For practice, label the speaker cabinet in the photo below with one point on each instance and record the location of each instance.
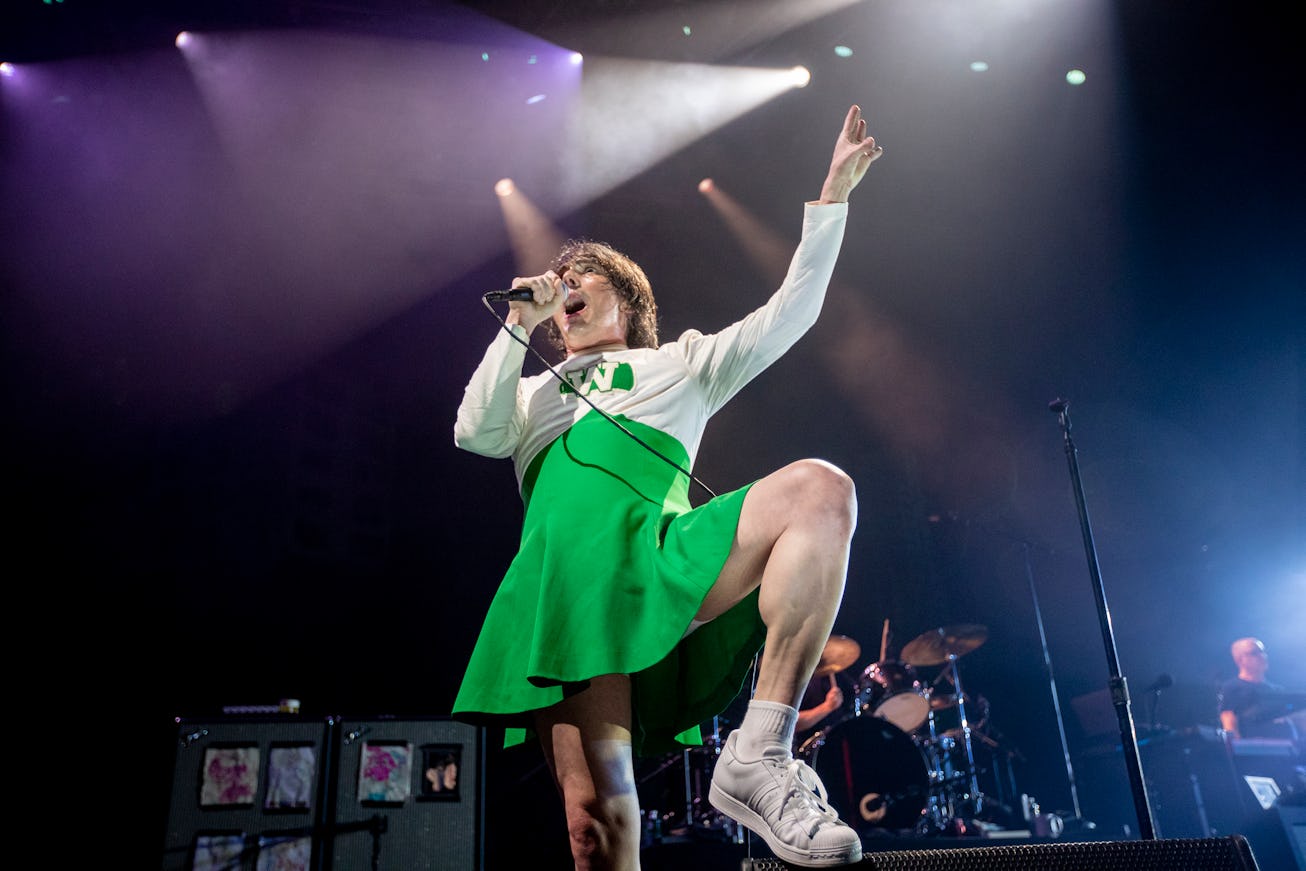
(409, 795)
(246, 792)
(282, 792)
(1194, 854)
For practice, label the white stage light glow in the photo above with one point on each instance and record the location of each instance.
(662, 107)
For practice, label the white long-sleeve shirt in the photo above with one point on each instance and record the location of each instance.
(674, 388)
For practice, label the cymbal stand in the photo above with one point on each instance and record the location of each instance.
(699, 814)
(976, 799)
(1052, 681)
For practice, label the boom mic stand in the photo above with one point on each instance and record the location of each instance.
(1118, 685)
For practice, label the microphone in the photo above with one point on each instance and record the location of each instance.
(1159, 684)
(517, 294)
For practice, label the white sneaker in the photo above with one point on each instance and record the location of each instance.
(782, 799)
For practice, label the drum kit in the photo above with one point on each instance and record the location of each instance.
(902, 756)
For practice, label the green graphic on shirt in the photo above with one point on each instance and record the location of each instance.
(601, 377)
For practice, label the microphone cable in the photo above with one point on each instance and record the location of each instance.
(618, 424)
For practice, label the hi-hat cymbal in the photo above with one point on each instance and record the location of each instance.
(839, 653)
(939, 645)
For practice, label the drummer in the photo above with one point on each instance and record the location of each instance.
(823, 699)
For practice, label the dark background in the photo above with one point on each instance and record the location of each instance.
(231, 396)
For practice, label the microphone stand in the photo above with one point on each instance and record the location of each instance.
(1118, 685)
(1056, 702)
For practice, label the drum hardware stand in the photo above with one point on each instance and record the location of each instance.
(699, 814)
(976, 798)
(1052, 684)
(1118, 685)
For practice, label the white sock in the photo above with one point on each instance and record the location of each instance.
(768, 729)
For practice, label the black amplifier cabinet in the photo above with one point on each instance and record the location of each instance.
(409, 795)
(279, 791)
(247, 792)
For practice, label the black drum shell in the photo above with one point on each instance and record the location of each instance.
(875, 775)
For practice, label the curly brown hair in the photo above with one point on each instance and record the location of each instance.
(627, 279)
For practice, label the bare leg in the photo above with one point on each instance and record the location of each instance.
(794, 532)
(586, 741)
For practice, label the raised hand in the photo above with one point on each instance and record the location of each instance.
(854, 152)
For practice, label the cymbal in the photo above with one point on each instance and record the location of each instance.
(939, 645)
(839, 653)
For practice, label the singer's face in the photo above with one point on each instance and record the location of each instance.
(592, 316)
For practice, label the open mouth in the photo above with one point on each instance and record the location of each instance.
(573, 305)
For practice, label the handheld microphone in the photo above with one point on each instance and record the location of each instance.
(517, 294)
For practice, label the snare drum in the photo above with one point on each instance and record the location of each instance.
(889, 690)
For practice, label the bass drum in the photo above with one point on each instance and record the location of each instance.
(874, 774)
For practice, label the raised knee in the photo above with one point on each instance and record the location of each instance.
(829, 487)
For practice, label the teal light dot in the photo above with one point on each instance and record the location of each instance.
(685, 30)
(532, 59)
(843, 51)
(485, 55)
(1076, 77)
(979, 66)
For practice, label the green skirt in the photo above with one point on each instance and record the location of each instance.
(613, 565)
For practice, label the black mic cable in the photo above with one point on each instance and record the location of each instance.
(502, 295)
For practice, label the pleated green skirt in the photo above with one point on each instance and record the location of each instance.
(613, 565)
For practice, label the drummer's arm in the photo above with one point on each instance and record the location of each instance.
(1228, 722)
(810, 717)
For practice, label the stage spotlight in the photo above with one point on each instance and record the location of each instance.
(800, 76)
(6, 69)
(706, 185)
(1076, 77)
(577, 58)
(531, 101)
(183, 39)
(504, 187)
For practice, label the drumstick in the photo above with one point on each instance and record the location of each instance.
(884, 640)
